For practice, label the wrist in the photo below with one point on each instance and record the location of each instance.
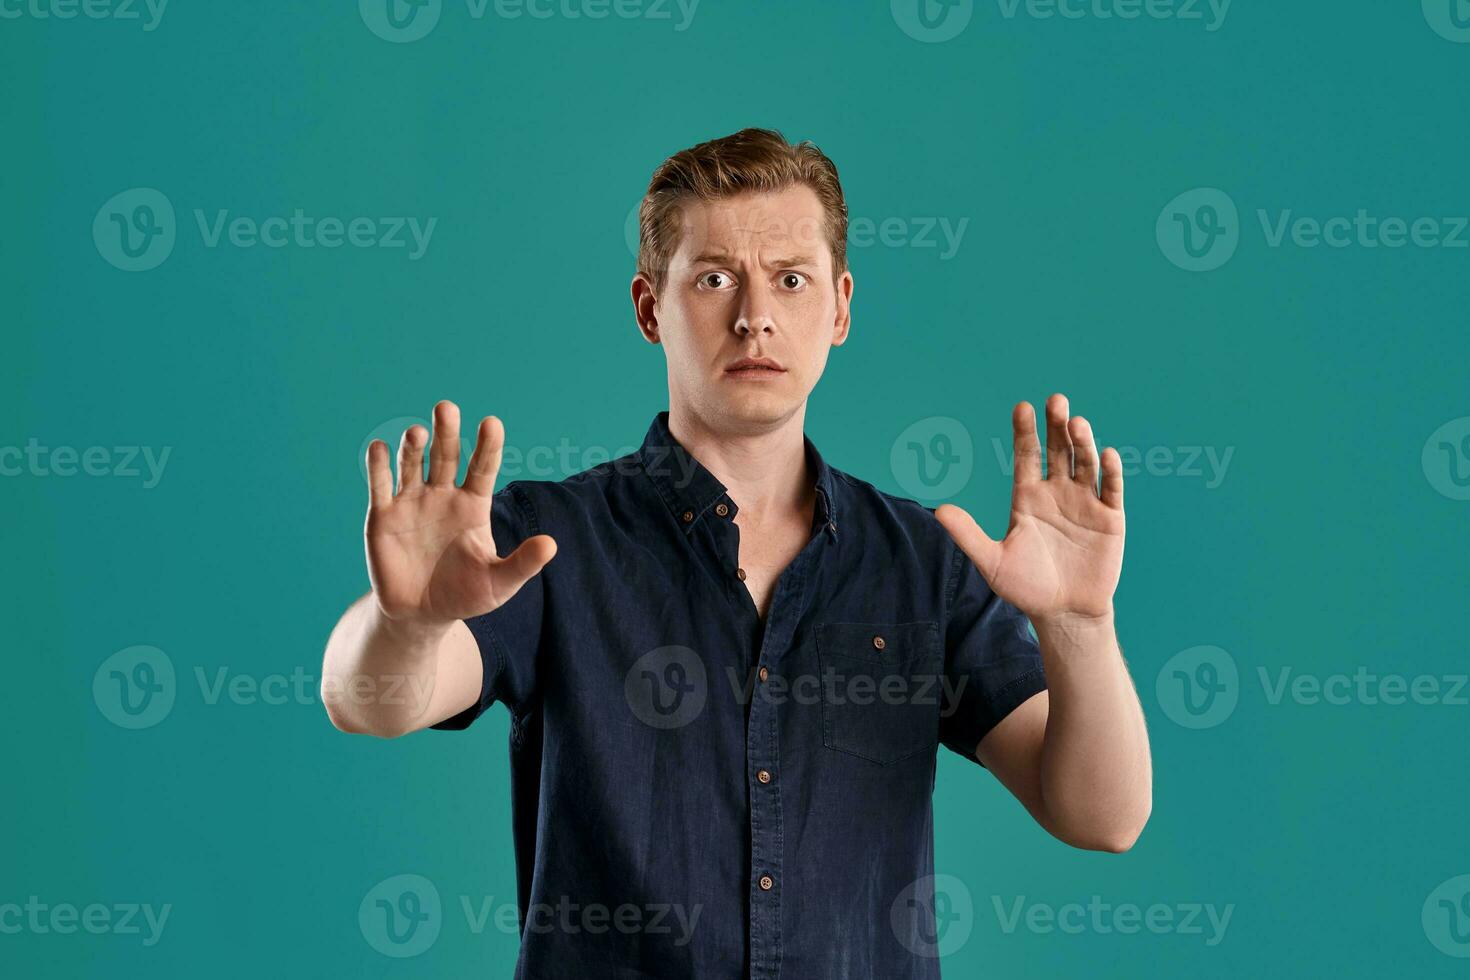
(409, 630)
(1075, 626)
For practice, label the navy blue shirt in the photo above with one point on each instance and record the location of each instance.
(698, 792)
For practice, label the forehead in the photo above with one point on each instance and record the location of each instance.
(791, 220)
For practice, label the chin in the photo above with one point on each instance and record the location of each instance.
(758, 409)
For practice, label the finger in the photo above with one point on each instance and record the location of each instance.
(1112, 478)
(411, 457)
(1084, 452)
(485, 460)
(1028, 450)
(1058, 443)
(973, 541)
(380, 474)
(444, 451)
(520, 566)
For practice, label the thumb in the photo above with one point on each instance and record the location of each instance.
(523, 564)
(972, 540)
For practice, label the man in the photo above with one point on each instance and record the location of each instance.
(728, 689)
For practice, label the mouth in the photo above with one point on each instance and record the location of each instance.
(754, 368)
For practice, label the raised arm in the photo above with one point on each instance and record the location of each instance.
(1076, 755)
(401, 658)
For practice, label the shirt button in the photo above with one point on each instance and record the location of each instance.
(722, 510)
(764, 673)
(879, 643)
(740, 574)
(763, 776)
(767, 883)
(688, 516)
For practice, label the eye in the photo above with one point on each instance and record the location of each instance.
(716, 280)
(793, 280)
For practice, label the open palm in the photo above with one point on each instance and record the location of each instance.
(1063, 552)
(430, 553)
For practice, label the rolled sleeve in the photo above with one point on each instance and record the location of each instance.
(991, 657)
(510, 636)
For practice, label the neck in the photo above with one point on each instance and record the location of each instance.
(765, 469)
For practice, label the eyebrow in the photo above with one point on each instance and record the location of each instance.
(723, 259)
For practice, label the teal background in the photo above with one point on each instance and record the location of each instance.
(1326, 547)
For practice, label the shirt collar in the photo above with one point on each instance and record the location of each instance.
(690, 490)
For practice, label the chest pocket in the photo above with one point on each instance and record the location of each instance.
(880, 687)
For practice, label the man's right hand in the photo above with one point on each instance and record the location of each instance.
(430, 554)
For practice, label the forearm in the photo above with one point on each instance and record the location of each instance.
(379, 676)
(1096, 775)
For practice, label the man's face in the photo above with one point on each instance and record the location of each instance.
(751, 280)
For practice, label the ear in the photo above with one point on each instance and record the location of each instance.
(645, 306)
(843, 321)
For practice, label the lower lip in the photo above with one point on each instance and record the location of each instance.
(755, 374)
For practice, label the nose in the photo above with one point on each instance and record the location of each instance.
(754, 315)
